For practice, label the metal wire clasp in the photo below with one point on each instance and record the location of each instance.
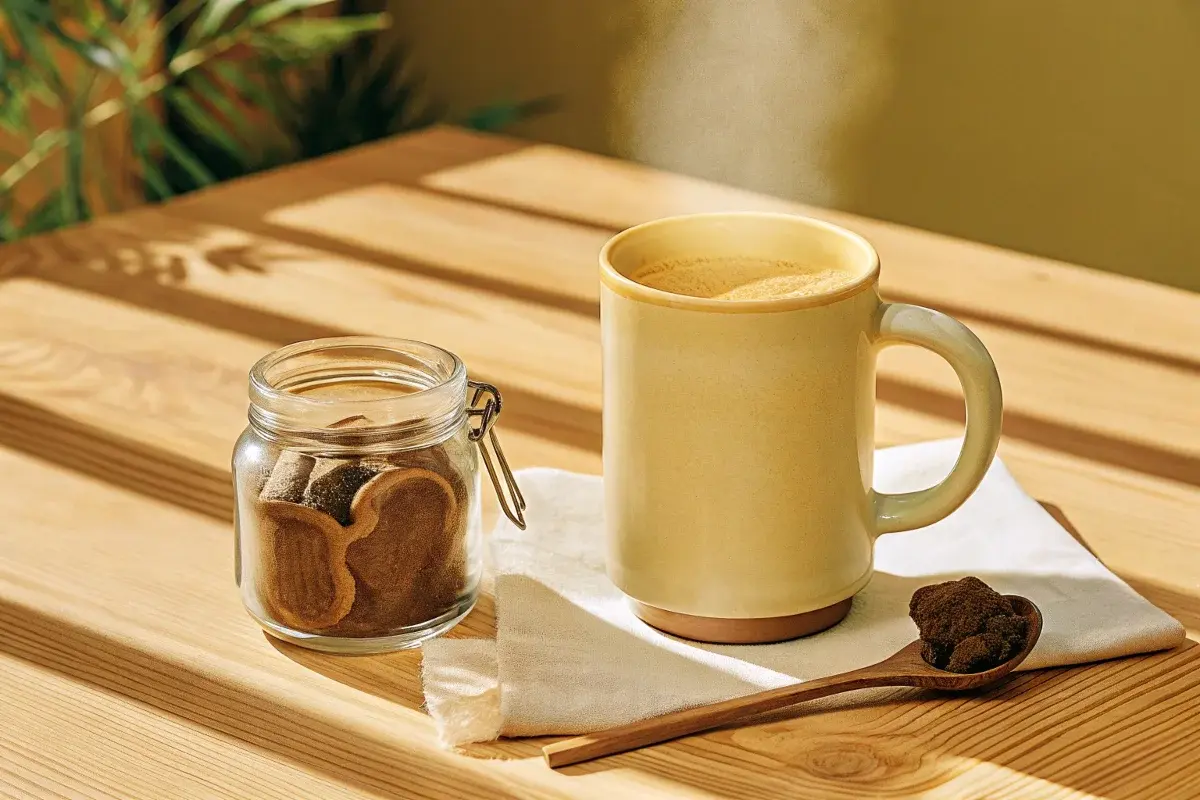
(486, 416)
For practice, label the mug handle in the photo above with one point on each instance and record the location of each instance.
(900, 323)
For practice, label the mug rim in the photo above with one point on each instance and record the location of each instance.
(632, 290)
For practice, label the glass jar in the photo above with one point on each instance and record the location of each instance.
(357, 493)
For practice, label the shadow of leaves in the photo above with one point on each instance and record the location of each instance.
(169, 254)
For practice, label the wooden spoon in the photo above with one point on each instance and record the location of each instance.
(905, 668)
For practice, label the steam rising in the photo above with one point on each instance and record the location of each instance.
(758, 94)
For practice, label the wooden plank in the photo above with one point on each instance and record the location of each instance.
(268, 288)
(146, 419)
(128, 751)
(139, 601)
(1051, 296)
(144, 400)
(308, 283)
(1070, 398)
(164, 629)
(496, 248)
(1099, 392)
(97, 572)
(123, 349)
(1086, 401)
(1094, 385)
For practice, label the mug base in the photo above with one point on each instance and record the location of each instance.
(760, 630)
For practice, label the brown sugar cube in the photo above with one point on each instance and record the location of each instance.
(966, 626)
(1008, 626)
(1013, 629)
(947, 613)
(978, 653)
(935, 654)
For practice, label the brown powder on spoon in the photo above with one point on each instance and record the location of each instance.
(966, 625)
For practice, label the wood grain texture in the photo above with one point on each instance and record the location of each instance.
(976, 279)
(126, 750)
(905, 667)
(123, 351)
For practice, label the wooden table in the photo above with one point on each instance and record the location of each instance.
(128, 668)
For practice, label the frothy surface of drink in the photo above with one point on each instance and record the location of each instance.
(741, 278)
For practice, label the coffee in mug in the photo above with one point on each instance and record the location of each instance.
(741, 277)
(739, 407)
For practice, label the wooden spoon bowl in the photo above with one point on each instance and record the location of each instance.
(921, 673)
(904, 668)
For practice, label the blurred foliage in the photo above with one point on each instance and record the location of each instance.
(89, 63)
(208, 90)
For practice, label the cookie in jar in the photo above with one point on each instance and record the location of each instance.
(357, 483)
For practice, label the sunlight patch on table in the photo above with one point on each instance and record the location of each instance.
(456, 237)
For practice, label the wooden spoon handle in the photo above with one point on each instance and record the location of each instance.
(704, 718)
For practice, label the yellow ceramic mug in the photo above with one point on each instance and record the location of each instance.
(739, 434)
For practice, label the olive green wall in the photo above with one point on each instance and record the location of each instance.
(1068, 128)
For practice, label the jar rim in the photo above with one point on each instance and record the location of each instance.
(434, 379)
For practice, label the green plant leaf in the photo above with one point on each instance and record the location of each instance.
(277, 9)
(155, 179)
(114, 10)
(204, 122)
(94, 167)
(19, 76)
(304, 39)
(285, 107)
(8, 223)
(498, 116)
(26, 18)
(42, 91)
(139, 145)
(215, 97)
(303, 103)
(36, 11)
(47, 215)
(236, 77)
(179, 11)
(14, 112)
(43, 143)
(74, 205)
(138, 13)
(95, 54)
(9, 232)
(185, 158)
(156, 133)
(211, 19)
(140, 122)
(361, 97)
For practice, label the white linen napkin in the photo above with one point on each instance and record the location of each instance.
(570, 657)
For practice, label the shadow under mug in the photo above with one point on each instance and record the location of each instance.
(739, 434)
